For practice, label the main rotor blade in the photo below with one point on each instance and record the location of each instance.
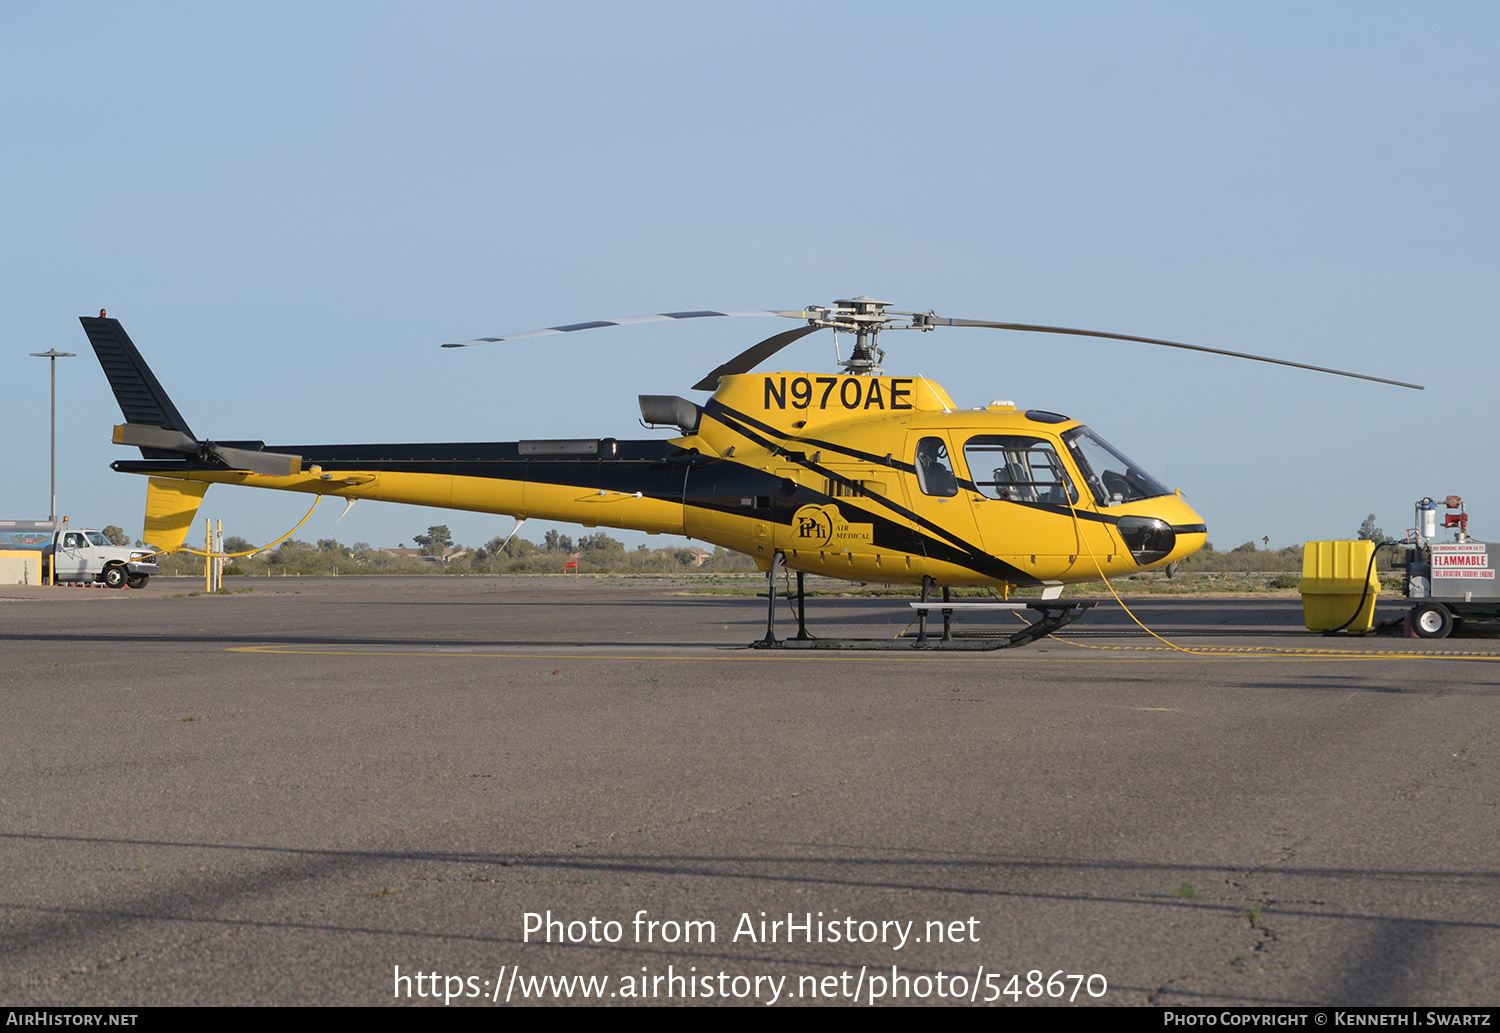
(942, 321)
(627, 321)
(753, 356)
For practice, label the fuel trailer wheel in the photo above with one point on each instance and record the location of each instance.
(1432, 620)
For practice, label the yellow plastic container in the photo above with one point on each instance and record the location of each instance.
(1334, 576)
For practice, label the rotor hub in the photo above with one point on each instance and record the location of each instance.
(865, 318)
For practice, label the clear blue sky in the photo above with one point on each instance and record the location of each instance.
(290, 206)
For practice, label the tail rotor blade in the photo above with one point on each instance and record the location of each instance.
(144, 435)
(280, 464)
(276, 464)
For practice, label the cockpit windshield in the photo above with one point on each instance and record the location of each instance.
(1112, 478)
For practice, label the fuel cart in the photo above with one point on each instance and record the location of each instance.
(1450, 581)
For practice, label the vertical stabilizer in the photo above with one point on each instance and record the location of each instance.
(136, 388)
(171, 505)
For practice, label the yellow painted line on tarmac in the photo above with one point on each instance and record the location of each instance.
(1031, 654)
(1292, 652)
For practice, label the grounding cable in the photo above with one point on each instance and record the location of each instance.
(249, 552)
(1246, 652)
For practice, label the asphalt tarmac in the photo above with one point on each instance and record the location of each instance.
(356, 791)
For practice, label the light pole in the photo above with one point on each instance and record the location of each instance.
(54, 355)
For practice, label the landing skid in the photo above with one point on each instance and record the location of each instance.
(1054, 614)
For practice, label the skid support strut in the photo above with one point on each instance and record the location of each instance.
(1052, 614)
(771, 641)
(927, 585)
(802, 635)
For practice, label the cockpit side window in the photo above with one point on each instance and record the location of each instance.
(1019, 469)
(934, 469)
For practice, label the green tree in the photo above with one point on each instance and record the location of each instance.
(599, 546)
(436, 541)
(116, 535)
(1368, 532)
(519, 548)
(234, 543)
(554, 540)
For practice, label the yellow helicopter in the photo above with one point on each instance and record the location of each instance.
(857, 475)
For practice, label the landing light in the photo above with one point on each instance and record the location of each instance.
(1147, 538)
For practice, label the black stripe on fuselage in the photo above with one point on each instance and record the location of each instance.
(954, 550)
(731, 423)
(656, 469)
(716, 409)
(719, 410)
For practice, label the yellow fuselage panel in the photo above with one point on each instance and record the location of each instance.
(476, 494)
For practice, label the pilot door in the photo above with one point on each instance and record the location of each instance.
(1021, 494)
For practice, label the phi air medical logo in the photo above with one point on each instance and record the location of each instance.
(818, 527)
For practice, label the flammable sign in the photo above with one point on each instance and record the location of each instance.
(1462, 560)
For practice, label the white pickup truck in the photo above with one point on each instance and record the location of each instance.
(86, 555)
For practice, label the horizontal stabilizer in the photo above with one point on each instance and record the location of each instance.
(254, 460)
